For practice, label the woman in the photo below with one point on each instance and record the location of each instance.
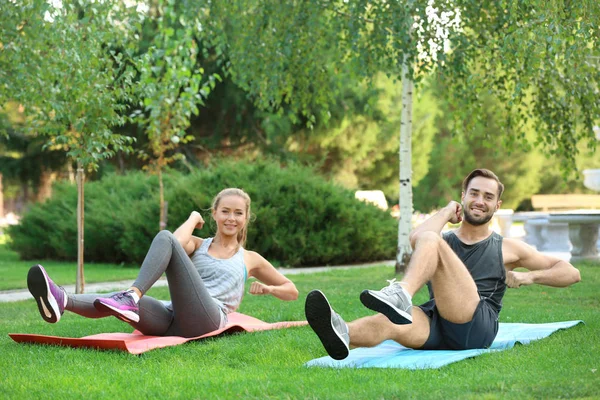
(206, 278)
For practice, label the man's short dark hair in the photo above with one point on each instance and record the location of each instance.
(486, 173)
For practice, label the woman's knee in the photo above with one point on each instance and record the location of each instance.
(164, 234)
(165, 237)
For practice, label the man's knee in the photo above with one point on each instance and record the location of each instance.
(427, 238)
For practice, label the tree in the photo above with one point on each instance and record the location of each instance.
(61, 63)
(24, 158)
(453, 157)
(489, 51)
(170, 89)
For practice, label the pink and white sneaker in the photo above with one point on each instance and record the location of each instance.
(50, 298)
(121, 305)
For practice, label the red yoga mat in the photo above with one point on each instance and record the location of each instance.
(137, 343)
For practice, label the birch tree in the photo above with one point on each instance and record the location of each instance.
(538, 58)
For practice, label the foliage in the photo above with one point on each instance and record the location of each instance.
(298, 46)
(524, 171)
(24, 159)
(68, 54)
(380, 169)
(541, 61)
(300, 219)
(453, 157)
(169, 89)
(169, 83)
(358, 147)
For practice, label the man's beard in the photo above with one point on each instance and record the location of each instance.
(484, 219)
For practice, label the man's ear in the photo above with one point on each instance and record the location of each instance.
(498, 205)
(462, 196)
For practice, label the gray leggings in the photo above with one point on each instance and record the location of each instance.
(192, 311)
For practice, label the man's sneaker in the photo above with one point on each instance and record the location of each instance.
(50, 298)
(392, 301)
(328, 325)
(121, 305)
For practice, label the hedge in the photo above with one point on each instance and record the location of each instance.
(299, 218)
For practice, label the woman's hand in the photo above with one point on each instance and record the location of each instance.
(258, 288)
(199, 221)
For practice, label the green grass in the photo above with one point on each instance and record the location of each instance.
(270, 364)
(14, 271)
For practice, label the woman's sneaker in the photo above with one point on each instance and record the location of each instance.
(50, 298)
(392, 301)
(328, 325)
(122, 305)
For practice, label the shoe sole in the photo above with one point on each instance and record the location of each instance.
(126, 316)
(393, 313)
(39, 287)
(318, 314)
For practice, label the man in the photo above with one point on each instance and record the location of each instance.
(467, 271)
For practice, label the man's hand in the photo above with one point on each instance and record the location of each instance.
(517, 279)
(455, 210)
(258, 288)
(198, 219)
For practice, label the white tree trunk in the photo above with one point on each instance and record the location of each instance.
(80, 284)
(1, 198)
(405, 196)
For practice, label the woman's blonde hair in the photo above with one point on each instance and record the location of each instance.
(241, 237)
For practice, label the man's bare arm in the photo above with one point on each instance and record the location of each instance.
(543, 269)
(450, 213)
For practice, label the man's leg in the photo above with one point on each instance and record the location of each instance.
(372, 330)
(455, 291)
(337, 336)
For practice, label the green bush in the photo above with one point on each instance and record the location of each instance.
(298, 217)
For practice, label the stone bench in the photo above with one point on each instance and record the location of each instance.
(542, 233)
(575, 231)
(559, 202)
(584, 226)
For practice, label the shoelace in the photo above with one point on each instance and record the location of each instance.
(392, 288)
(121, 295)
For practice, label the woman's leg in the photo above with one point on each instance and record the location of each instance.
(194, 311)
(155, 317)
(53, 300)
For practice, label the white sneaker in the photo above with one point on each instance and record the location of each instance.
(392, 301)
(328, 325)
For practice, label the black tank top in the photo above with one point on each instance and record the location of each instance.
(486, 265)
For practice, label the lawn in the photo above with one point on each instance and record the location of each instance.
(14, 271)
(270, 364)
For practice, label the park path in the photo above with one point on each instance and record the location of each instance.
(23, 294)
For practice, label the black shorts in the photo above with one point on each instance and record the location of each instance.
(476, 334)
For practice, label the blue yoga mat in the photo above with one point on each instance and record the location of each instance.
(390, 354)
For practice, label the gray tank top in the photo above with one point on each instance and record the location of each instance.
(486, 265)
(224, 278)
